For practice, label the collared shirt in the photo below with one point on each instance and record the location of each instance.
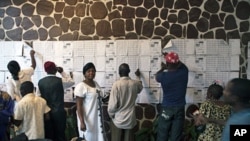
(31, 110)
(66, 80)
(121, 106)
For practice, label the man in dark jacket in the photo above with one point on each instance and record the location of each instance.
(51, 89)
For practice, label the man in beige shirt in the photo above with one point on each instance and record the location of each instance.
(30, 112)
(121, 106)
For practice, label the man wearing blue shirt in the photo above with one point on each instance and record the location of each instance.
(173, 77)
(237, 94)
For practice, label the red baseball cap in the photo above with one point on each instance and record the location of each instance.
(172, 57)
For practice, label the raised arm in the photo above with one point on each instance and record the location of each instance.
(66, 78)
(33, 60)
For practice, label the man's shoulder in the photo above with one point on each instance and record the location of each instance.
(241, 117)
(27, 70)
(49, 78)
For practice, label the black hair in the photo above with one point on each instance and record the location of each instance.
(14, 69)
(215, 90)
(124, 69)
(26, 87)
(88, 66)
(241, 88)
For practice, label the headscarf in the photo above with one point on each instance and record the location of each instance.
(88, 66)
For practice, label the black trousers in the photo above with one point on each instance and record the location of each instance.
(55, 126)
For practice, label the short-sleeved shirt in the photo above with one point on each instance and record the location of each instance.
(91, 113)
(213, 131)
(31, 110)
(13, 86)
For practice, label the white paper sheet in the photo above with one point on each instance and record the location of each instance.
(110, 78)
(200, 47)
(212, 46)
(155, 63)
(89, 48)
(144, 63)
(110, 63)
(234, 63)
(133, 62)
(195, 95)
(133, 47)
(152, 81)
(78, 48)
(190, 47)
(144, 47)
(78, 77)
(78, 63)
(121, 48)
(235, 46)
(100, 48)
(100, 63)
(2, 77)
(155, 47)
(65, 62)
(100, 78)
(196, 79)
(111, 48)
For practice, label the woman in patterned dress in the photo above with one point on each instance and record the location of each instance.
(214, 113)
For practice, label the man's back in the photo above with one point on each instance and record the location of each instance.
(51, 89)
(174, 85)
(122, 101)
(31, 110)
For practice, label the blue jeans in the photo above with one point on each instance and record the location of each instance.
(171, 123)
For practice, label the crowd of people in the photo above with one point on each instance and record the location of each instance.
(39, 114)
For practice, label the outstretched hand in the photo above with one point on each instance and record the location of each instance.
(83, 127)
(60, 69)
(138, 73)
(200, 119)
(32, 52)
(163, 65)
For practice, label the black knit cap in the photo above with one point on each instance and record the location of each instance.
(88, 66)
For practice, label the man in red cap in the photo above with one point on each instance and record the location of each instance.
(51, 88)
(173, 77)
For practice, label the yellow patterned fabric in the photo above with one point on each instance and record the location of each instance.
(211, 110)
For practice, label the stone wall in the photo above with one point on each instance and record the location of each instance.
(45, 20)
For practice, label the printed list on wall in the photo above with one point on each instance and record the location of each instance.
(107, 55)
(208, 61)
